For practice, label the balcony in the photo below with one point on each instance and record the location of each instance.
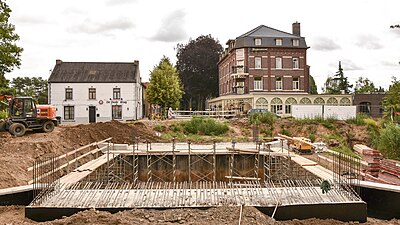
(240, 90)
(239, 72)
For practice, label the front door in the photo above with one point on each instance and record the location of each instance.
(92, 114)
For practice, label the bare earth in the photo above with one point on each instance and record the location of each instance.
(17, 154)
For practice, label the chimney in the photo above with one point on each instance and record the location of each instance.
(296, 28)
(58, 61)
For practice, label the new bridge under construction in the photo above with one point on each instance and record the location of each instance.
(115, 177)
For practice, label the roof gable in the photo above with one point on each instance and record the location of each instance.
(95, 72)
(264, 31)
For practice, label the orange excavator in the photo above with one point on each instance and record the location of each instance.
(24, 114)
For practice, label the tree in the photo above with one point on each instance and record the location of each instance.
(198, 69)
(10, 53)
(165, 88)
(337, 83)
(313, 87)
(35, 87)
(391, 101)
(364, 85)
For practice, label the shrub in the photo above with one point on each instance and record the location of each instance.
(199, 125)
(286, 132)
(358, 120)
(264, 118)
(312, 137)
(176, 127)
(389, 141)
(3, 114)
(160, 128)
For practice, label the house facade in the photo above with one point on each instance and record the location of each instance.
(267, 68)
(88, 92)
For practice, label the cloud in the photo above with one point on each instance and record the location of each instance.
(31, 20)
(393, 63)
(172, 28)
(119, 2)
(350, 65)
(368, 41)
(324, 44)
(347, 65)
(106, 27)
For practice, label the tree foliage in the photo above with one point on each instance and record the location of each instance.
(389, 141)
(198, 69)
(364, 85)
(391, 101)
(165, 88)
(35, 87)
(313, 87)
(337, 83)
(10, 53)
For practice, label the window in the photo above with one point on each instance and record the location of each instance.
(278, 41)
(257, 62)
(296, 42)
(279, 83)
(68, 93)
(261, 103)
(276, 106)
(92, 93)
(258, 83)
(365, 107)
(296, 84)
(288, 105)
(116, 112)
(69, 112)
(305, 101)
(116, 93)
(257, 41)
(278, 63)
(295, 63)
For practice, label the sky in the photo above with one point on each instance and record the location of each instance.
(356, 32)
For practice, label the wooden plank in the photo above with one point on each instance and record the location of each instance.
(242, 178)
(70, 153)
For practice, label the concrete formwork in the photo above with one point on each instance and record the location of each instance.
(185, 175)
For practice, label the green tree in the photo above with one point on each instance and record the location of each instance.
(313, 87)
(389, 141)
(391, 101)
(35, 87)
(10, 53)
(337, 83)
(364, 85)
(165, 88)
(198, 69)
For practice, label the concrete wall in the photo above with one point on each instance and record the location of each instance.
(131, 100)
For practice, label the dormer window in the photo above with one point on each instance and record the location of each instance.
(296, 42)
(257, 41)
(278, 42)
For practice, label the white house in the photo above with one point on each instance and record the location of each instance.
(89, 92)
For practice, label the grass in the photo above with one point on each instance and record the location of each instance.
(3, 114)
(326, 122)
(359, 120)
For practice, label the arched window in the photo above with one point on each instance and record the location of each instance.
(345, 101)
(276, 105)
(305, 101)
(332, 101)
(365, 107)
(288, 105)
(319, 101)
(262, 103)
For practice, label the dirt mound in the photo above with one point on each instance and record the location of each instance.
(121, 133)
(217, 216)
(18, 153)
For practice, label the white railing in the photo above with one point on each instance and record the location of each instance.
(180, 114)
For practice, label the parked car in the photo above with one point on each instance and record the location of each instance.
(251, 111)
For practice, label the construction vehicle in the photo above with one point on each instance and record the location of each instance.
(24, 114)
(302, 145)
